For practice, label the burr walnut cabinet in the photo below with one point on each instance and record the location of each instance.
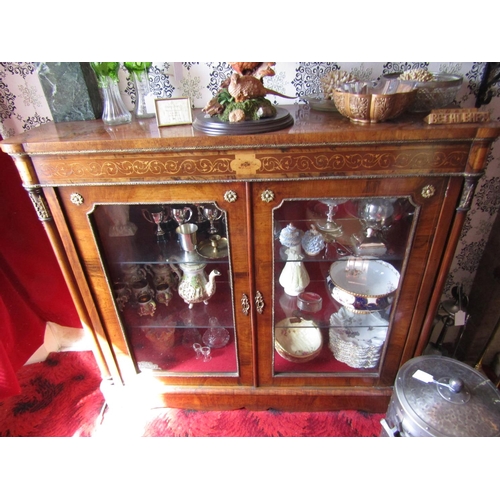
(295, 269)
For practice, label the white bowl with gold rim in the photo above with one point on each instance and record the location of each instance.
(297, 340)
(363, 285)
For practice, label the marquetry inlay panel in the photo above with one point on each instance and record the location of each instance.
(132, 168)
(269, 162)
(365, 161)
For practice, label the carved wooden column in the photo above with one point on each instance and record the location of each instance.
(37, 196)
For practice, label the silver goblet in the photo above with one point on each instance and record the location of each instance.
(182, 215)
(331, 229)
(157, 218)
(212, 214)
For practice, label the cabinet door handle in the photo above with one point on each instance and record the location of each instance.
(259, 302)
(245, 304)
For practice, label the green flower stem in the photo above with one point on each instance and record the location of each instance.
(137, 67)
(105, 70)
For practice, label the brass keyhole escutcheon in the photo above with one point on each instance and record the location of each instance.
(245, 304)
(259, 302)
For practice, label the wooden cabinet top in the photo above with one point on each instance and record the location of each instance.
(310, 128)
(318, 144)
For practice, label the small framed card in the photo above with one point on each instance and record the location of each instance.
(173, 111)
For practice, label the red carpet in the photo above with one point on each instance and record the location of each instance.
(61, 398)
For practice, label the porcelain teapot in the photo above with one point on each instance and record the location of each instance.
(195, 286)
(164, 273)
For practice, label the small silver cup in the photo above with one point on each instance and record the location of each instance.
(146, 305)
(182, 215)
(156, 218)
(212, 214)
(187, 236)
(141, 287)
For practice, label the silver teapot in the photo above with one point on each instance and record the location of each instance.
(132, 272)
(163, 273)
(195, 286)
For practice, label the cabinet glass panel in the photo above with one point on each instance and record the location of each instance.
(168, 269)
(337, 270)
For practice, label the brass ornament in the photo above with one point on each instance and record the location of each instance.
(230, 196)
(428, 191)
(267, 196)
(40, 203)
(245, 304)
(467, 195)
(259, 302)
(76, 198)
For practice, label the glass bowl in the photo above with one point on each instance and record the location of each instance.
(433, 94)
(309, 302)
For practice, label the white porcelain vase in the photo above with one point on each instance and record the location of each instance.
(294, 278)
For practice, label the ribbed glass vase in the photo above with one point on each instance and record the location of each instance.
(114, 110)
(144, 98)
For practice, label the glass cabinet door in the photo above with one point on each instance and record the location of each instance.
(161, 263)
(337, 265)
(169, 269)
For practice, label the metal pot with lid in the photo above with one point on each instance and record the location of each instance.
(436, 396)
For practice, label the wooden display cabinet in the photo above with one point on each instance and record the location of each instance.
(393, 194)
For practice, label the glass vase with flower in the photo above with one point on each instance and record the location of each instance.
(144, 97)
(114, 110)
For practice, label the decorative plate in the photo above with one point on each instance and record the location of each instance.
(319, 103)
(357, 340)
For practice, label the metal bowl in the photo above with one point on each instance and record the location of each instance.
(298, 340)
(433, 94)
(372, 107)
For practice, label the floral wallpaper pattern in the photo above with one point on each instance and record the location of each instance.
(24, 106)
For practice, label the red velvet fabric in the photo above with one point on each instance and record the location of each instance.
(32, 287)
